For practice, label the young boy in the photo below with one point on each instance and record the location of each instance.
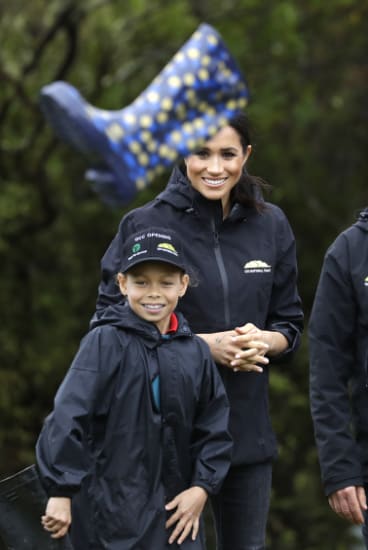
(138, 436)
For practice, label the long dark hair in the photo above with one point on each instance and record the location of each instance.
(249, 189)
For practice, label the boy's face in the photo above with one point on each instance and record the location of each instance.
(153, 290)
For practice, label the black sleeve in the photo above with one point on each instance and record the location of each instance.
(62, 449)
(285, 311)
(211, 441)
(332, 355)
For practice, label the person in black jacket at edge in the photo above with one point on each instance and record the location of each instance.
(245, 306)
(140, 422)
(338, 340)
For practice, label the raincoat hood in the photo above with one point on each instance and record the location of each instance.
(362, 221)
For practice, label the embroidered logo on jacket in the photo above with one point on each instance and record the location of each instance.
(257, 266)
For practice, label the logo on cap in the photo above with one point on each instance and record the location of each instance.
(168, 247)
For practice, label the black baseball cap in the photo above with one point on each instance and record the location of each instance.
(155, 244)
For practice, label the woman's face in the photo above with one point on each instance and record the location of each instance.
(215, 168)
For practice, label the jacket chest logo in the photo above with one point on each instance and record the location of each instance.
(257, 266)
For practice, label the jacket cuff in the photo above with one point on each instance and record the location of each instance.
(293, 338)
(205, 486)
(333, 486)
(61, 492)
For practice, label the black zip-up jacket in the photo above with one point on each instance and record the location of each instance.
(338, 339)
(246, 271)
(105, 439)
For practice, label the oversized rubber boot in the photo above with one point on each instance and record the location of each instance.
(195, 95)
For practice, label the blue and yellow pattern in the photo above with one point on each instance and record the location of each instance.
(195, 95)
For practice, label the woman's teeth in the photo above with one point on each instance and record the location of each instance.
(214, 183)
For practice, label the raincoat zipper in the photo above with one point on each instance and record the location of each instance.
(223, 273)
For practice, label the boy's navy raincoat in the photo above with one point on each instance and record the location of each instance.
(245, 267)
(105, 437)
(338, 337)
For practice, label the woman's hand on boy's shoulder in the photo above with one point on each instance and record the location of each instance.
(58, 516)
(187, 507)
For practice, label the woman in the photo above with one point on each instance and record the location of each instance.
(245, 306)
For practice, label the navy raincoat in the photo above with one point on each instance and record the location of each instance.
(245, 269)
(338, 338)
(106, 445)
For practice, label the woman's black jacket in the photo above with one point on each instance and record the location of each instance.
(245, 269)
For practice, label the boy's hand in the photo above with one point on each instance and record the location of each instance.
(58, 516)
(189, 505)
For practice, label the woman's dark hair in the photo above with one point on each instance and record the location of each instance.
(248, 190)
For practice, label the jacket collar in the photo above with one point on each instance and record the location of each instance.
(181, 195)
(121, 316)
(362, 221)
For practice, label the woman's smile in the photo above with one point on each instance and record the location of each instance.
(214, 182)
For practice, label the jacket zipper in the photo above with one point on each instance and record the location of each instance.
(223, 273)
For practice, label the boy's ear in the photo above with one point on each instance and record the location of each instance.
(184, 283)
(121, 279)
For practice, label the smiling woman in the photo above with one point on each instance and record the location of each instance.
(245, 306)
(217, 167)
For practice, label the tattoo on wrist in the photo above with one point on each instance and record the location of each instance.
(218, 339)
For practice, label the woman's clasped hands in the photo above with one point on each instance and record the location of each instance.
(242, 349)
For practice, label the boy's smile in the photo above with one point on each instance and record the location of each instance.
(153, 290)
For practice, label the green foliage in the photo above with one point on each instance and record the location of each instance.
(305, 63)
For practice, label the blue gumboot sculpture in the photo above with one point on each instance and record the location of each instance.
(195, 94)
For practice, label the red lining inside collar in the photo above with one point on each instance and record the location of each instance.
(173, 326)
